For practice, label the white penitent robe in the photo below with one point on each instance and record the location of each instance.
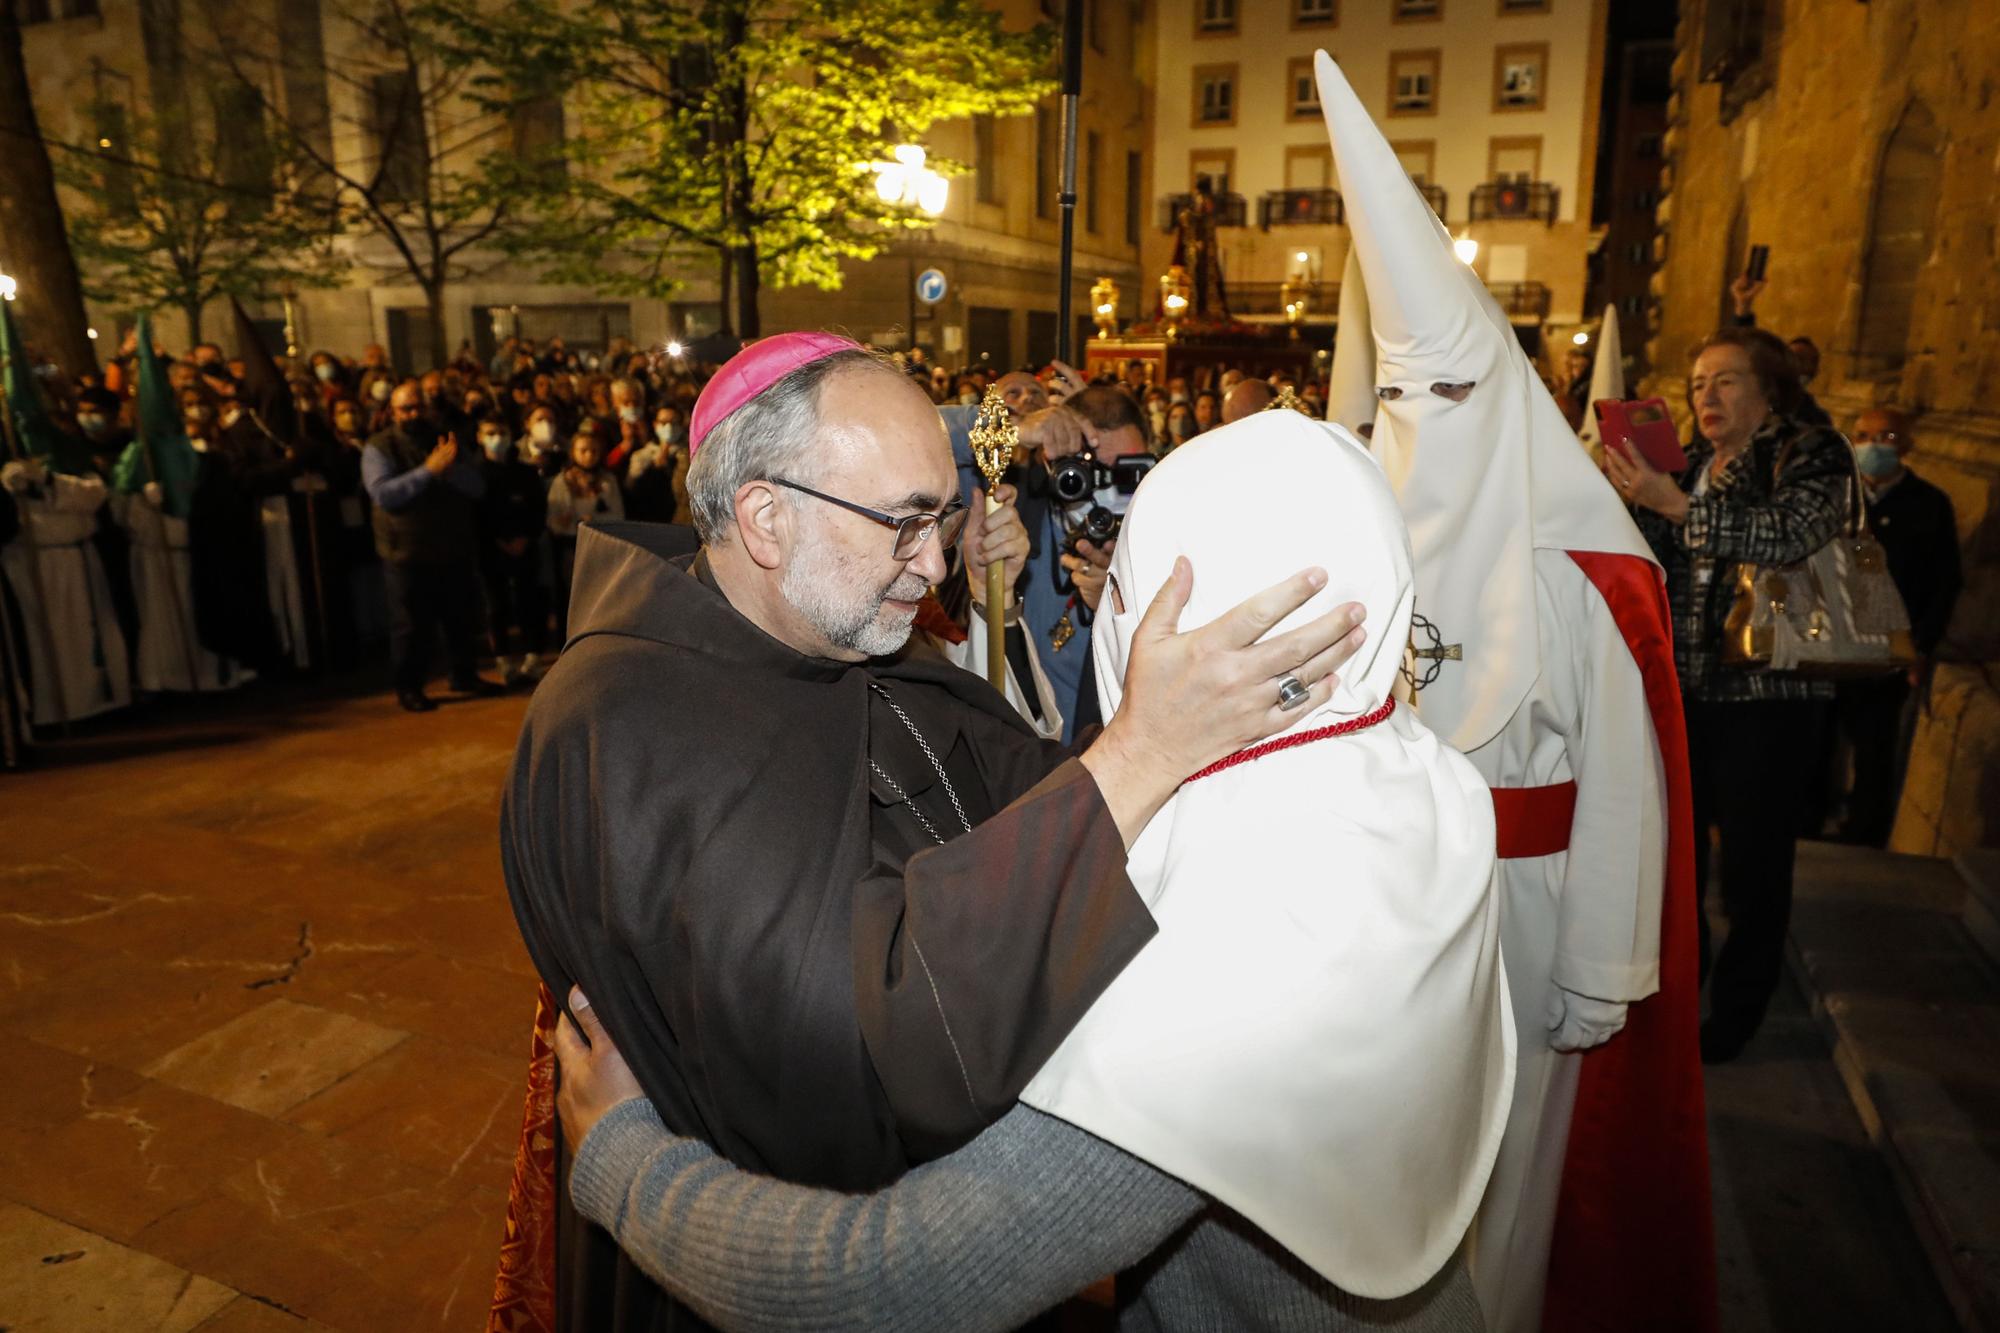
(971, 655)
(1587, 920)
(281, 581)
(76, 651)
(162, 585)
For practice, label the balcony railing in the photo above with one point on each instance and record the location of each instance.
(1435, 196)
(1521, 300)
(1300, 208)
(1514, 199)
(1231, 210)
(1266, 298)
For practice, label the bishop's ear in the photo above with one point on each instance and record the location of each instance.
(760, 522)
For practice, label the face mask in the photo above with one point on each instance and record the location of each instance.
(628, 415)
(1877, 460)
(1183, 429)
(1180, 398)
(380, 391)
(543, 432)
(494, 445)
(91, 425)
(968, 399)
(325, 370)
(664, 432)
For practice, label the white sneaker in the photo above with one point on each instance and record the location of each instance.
(511, 672)
(533, 667)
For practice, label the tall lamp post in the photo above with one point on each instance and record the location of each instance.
(908, 182)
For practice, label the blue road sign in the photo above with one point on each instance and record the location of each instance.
(930, 286)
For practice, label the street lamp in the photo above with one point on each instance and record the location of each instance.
(1581, 338)
(1466, 249)
(8, 287)
(907, 181)
(910, 183)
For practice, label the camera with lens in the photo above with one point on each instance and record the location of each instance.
(1077, 478)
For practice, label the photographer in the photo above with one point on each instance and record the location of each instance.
(1068, 551)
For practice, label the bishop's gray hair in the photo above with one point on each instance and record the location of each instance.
(775, 434)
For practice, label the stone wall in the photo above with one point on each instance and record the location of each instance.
(1792, 156)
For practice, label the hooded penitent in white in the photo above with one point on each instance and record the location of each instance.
(1350, 398)
(1607, 380)
(1318, 1035)
(1486, 474)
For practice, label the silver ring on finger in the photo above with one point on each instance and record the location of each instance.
(1292, 693)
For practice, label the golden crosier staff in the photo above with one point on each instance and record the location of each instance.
(994, 439)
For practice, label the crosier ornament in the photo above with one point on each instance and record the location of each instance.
(994, 439)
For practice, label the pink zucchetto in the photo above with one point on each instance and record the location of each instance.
(755, 369)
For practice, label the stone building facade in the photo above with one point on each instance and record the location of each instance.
(1861, 142)
(997, 242)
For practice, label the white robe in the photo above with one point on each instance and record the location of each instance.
(281, 580)
(162, 573)
(76, 650)
(971, 655)
(1587, 919)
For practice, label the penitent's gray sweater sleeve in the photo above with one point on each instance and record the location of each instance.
(1028, 1213)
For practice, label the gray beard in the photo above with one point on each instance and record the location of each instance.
(820, 586)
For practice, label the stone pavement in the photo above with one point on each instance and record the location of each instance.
(265, 1016)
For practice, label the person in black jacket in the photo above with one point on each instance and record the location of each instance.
(513, 525)
(1919, 534)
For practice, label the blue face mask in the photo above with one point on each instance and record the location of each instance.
(1877, 460)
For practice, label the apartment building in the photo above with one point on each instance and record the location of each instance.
(1492, 105)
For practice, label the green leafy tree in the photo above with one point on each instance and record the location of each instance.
(183, 210)
(742, 131)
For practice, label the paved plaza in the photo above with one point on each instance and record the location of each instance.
(265, 1015)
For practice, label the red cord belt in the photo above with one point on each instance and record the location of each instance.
(1533, 821)
(1297, 739)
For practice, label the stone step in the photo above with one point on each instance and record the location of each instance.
(1980, 869)
(1911, 1003)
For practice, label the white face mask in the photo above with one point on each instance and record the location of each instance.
(325, 370)
(90, 424)
(663, 431)
(969, 398)
(496, 446)
(379, 391)
(628, 415)
(542, 432)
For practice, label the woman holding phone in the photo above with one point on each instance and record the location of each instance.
(1765, 487)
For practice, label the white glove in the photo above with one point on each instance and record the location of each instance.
(21, 474)
(1578, 1022)
(156, 494)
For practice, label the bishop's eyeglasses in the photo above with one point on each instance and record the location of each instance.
(912, 530)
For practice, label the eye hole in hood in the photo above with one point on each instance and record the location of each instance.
(1456, 391)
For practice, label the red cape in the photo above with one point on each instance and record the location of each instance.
(1634, 1242)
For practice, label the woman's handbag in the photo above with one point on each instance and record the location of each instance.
(1835, 614)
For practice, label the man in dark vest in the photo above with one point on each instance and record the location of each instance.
(426, 493)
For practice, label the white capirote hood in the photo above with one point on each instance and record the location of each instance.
(1483, 482)
(1319, 1035)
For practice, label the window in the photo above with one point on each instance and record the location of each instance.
(114, 144)
(1301, 90)
(1646, 145)
(1093, 22)
(1217, 165)
(1514, 157)
(1637, 253)
(1093, 159)
(1519, 76)
(1214, 95)
(536, 127)
(1135, 168)
(1900, 238)
(242, 150)
(32, 11)
(985, 162)
(1309, 167)
(1413, 79)
(1523, 7)
(1645, 201)
(1416, 11)
(1315, 13)
(1418, 156)
(1214, 17)
(402, 149)
(81, 9)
